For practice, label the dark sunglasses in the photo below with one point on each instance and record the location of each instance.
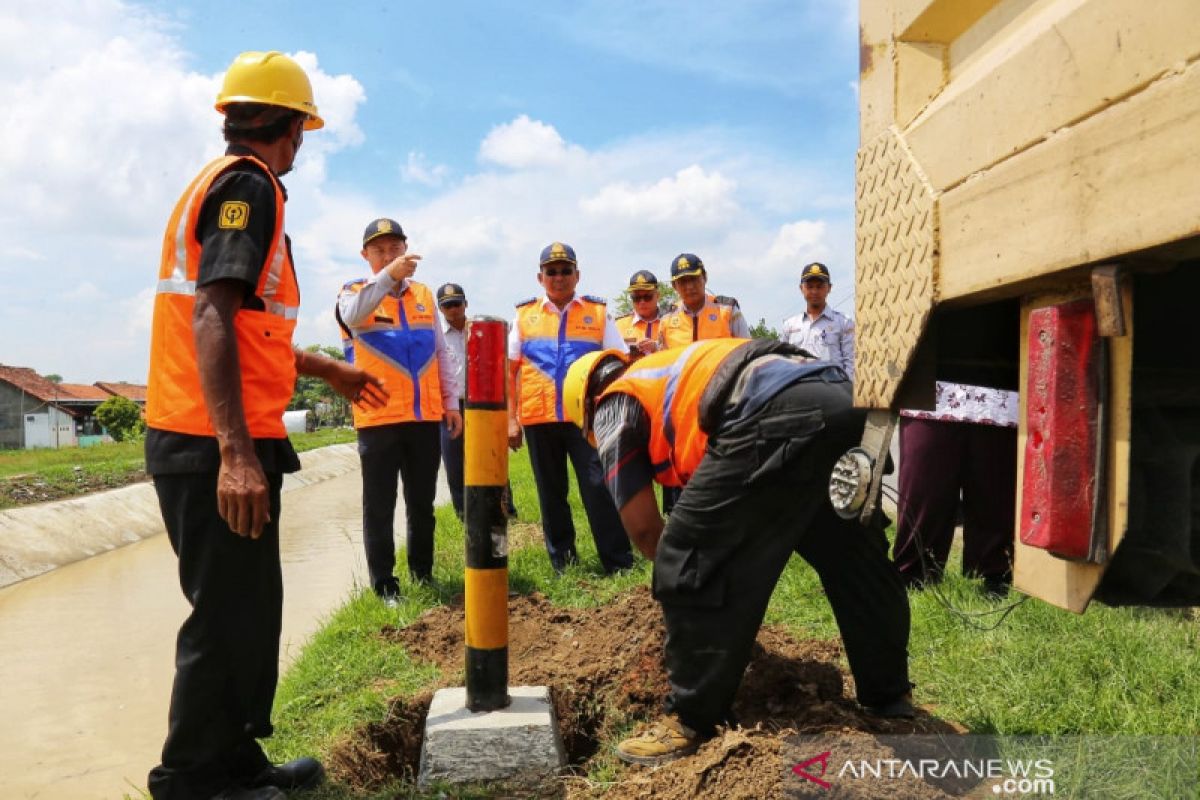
(641, 298)
(554, 273)
(451, 303)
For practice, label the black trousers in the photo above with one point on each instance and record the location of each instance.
(412, 452)
(759, 495)
(550, 445)
(227, 652)
(938, 460)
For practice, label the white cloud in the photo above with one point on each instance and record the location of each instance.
(105, 124)
(802, 240)
(691, 196)
(107, 121)
(625, 206)
(525, 143)
(418, 170)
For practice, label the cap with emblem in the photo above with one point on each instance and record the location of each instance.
(450, 293)
(643, 280)
(685, 265)
(557, 251)
(815, 270)
(383, 227)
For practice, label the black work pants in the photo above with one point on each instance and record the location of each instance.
(410, 451)
(938, 460)
(227, 652)
(759, 495)
(550, 445)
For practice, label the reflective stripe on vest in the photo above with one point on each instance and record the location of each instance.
(668, 385)
(397, 342)
(174, 396)
(679, 328)
(550, 343)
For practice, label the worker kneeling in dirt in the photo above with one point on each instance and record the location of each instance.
(751, 430)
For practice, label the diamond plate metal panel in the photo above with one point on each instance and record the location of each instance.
(896, 265)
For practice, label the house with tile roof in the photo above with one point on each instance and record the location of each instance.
(38, 412)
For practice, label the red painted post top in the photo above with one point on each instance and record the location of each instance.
(1058, 491)
(487, 340)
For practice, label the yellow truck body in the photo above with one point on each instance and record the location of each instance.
(1016, 154)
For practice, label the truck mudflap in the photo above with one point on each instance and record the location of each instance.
(1061, 510)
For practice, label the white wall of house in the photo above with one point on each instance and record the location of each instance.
(49, 428)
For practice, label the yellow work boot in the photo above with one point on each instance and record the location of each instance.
(666, 739)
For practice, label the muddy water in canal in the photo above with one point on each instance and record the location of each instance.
(86, 651)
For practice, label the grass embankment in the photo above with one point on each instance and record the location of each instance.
(1041, 671)
(37, 476)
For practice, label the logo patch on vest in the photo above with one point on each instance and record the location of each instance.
(233, 215)
(712, 317)
(421, 307)
(587, 320)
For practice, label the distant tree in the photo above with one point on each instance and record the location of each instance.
(313, 394)
(54, 377)
(667, 297)
(121, 417)
(761, 331)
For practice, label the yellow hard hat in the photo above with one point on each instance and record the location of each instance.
(272, 79)
(576, 403)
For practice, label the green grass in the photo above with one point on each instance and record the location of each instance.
(322, 437)
(1039, 671)
(34, 476)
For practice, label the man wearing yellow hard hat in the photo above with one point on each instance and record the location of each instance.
(222, 372)
(751, 430)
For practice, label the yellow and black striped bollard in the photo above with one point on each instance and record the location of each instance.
(485, 476)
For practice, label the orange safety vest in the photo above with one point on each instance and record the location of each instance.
(668, 385)
(679, 328)
(633, 328)
(174, 399)
(550, 343)
(398, 343)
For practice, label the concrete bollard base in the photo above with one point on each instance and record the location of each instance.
(462, 746)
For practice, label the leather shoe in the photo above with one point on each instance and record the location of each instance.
(665, 740)
(900, 708)
(303, 773)
(242, 793)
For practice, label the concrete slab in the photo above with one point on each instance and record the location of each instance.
(43, 537)
(462, 746)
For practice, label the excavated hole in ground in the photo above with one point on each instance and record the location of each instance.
(605, 672)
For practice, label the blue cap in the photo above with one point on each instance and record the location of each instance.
(815, 270)
(449, 293)
(383, 227)
(643, 280)
(557, 251)
(685, 265)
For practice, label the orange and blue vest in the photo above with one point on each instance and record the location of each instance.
(174, 396)
(714, 321)
(551, 341)
(397, 343)
(668, 385)
(634, 328)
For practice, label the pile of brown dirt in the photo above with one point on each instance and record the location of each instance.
(604, 668)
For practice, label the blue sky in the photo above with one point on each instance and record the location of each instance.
(631, 130)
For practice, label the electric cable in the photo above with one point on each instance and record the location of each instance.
(966, 617)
